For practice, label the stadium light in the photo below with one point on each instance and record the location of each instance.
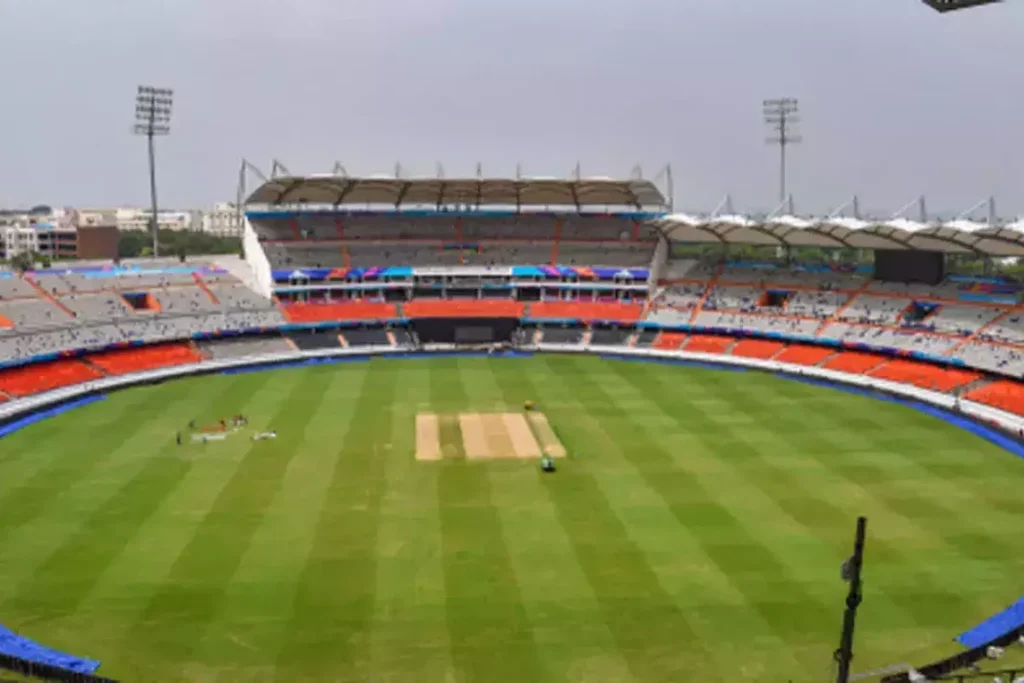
(953, 5)
(152, 118)
(782, 114)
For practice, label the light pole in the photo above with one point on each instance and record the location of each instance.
(782, 115)
(152, 118)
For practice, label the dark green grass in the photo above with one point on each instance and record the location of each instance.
(694, 533)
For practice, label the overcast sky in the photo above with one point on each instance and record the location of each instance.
(896, 100)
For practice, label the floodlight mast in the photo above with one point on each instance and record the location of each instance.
(153, 118)
(782, 114)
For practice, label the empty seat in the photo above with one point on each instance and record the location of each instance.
(757, 348)
(467, 308)
(347, 310)
(587, 310)
(34, 379)
(669, 341)
(854, 362)
(704, 343)
(1001, 394)
(924, 375)
(141, 358)
(799, 354)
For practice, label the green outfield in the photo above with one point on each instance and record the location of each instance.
(694, 529)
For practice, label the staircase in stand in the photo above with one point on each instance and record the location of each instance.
(707, 292)
(991, 323)
(839, 311)
(49, 297)
(206, 290)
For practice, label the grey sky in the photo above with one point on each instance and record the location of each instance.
(896, 100)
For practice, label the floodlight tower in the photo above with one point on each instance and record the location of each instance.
(152, 118)
(782, 115)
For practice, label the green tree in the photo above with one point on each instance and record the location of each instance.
(22, 262)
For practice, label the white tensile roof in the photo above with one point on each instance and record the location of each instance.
(959, 236)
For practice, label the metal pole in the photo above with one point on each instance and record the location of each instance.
(155, 225)
(851, 572)
(782, 169)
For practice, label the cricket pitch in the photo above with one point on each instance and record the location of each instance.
(485, 436)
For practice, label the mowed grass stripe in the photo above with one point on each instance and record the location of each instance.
(331, 617)
(483, 607)
(252, 619)
(657, 637)
(140, 569)
(409, 640)
(729, 541)
(555, 591)
(49, 592)
(78, 451)
(919, 595)
(36, 446)
(199, 577)
(29, 545)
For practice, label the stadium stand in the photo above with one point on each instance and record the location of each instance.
(586, 310)
(669, 341)
(137, 359)
(240, 347)
(757, 348)
(348, 310)
(1002, 394)
(702, 343)
(28, 379)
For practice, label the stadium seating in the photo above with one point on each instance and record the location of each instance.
(346, 310)
(757, 348)
(924, 375)
(586, 310)
(32, 379)
(240, 347)
(669, 341)
(1001, 394)
(799, 354)
(464, 308)
(370, 336)
(316, 340)
(854, 362)
(702, 343)
(138, 359)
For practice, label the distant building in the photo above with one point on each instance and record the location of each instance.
(222, 221)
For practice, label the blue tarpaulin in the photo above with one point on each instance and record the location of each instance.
(13, 645)
(1009, 619)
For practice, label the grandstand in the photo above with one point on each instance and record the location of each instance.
(341, 265)
(376, 252)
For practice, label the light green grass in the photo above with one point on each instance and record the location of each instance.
(695, 532)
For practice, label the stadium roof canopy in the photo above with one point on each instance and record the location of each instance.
(398, 192)
(959, 236)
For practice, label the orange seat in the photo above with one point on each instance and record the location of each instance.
(757, 348)
(798, 354)
(924, 375)
(617, 311)
(139, 358)
(706, 343)
(346, 310)
(669, 341)
(1002, 394)
(854, 362)
(467, 308)
(33, 379)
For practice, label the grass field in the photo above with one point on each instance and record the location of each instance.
(693, 532)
